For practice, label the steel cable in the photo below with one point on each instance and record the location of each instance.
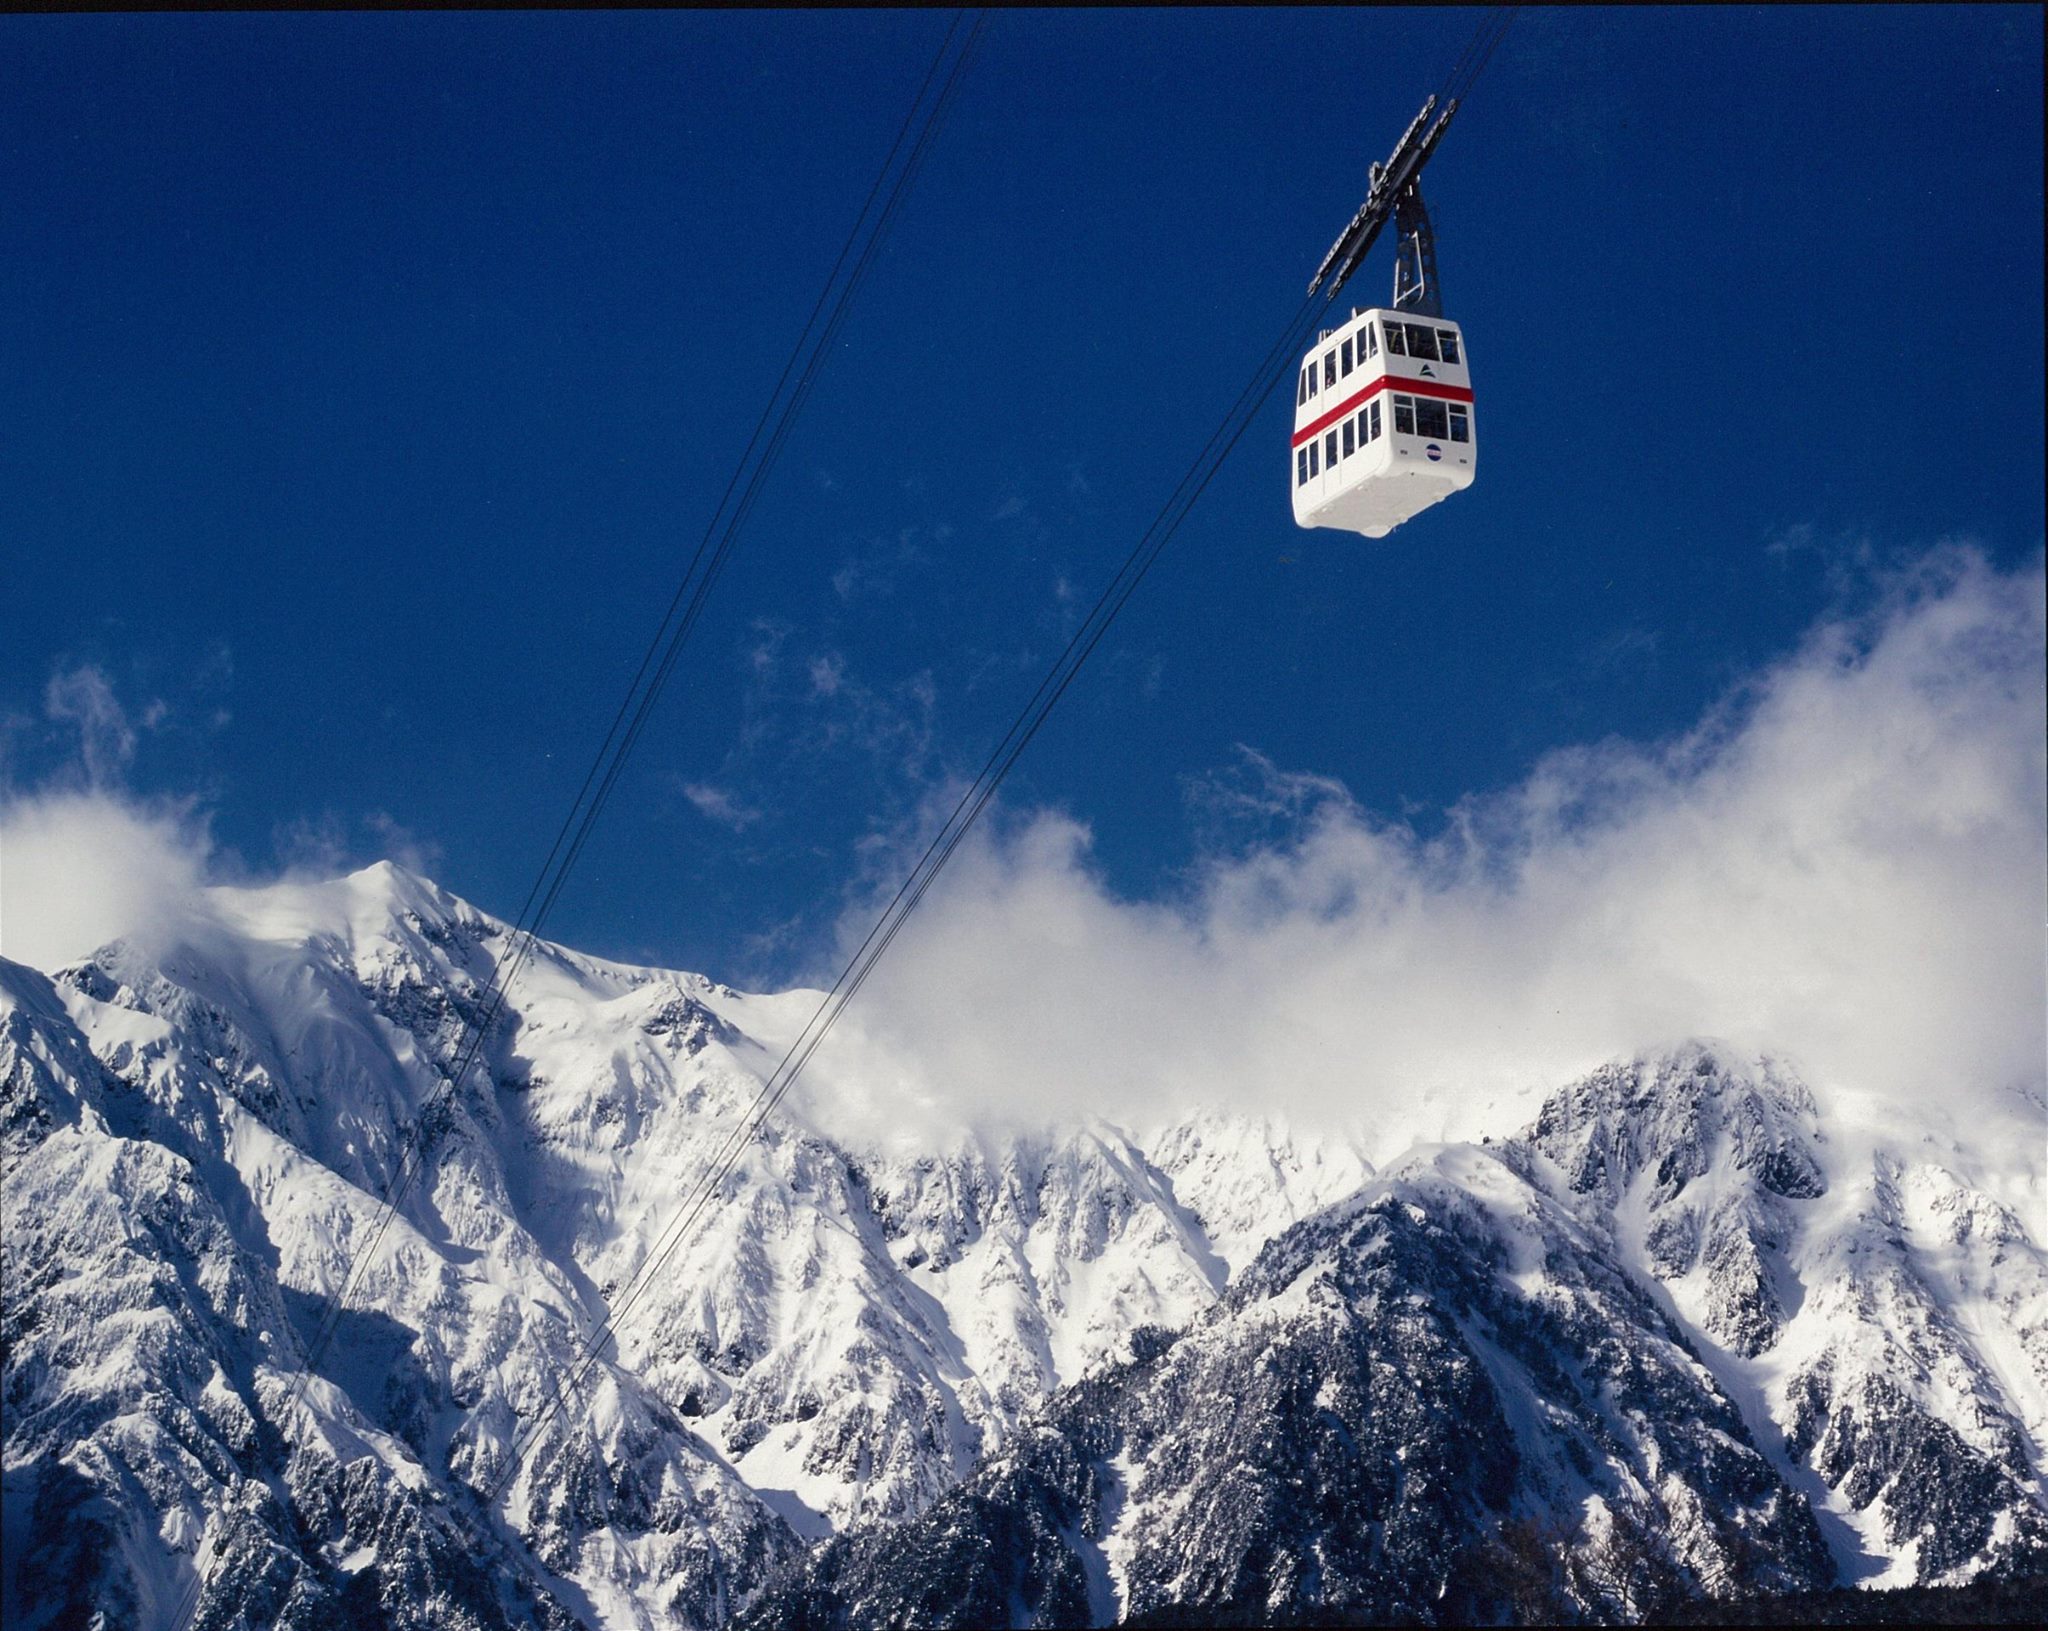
(911, 892)
(664, 649)
(1023, 730)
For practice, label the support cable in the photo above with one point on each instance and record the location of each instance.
(941, 848)
(973, 802)
(757, 460)
(1051, 688)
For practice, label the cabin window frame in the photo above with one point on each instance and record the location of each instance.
(1423, 332)
(1344, 351)
(1449, 347)
(1432, 411)
(1461, 422)
(1315, 444)
(1330, 369)
(1349, 439)
(1404, 408)
(1375, 407)
(1301, 467)
(1396, 347)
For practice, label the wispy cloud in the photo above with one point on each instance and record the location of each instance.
(1629, 648)
(83, 698)
(815, 731)
(807, 707)
(720, 805)
(828, 673)
(331, 843)
(880, 566)
(1253, 792)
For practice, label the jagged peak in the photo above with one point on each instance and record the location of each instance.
(1664, 1114)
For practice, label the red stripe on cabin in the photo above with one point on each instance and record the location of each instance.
(1413, 387)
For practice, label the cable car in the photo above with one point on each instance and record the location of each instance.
(1382, 422)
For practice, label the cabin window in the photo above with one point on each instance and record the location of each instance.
(1301, 467)
(1375, 421)
(1301, 388)
(1346, 349)
(1430, 418)
(1330, 450)
(1447, 343)
(1404, 415)
(1394, 346)
(1421, 341)
(1372, 338)
(1311, 378)
(1350, 443)
(1461, 424)
(1329, 368)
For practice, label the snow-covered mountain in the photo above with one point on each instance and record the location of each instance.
(1677, 1335)
(1643, 1352)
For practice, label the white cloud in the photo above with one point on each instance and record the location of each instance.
(78, 869)
(85, 860)
(1844, 862)
(329, 844)
(80, 861)
(719, 805)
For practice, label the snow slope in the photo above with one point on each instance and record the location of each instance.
(1840, 1319)
(1654, 1348)
(841, 1337)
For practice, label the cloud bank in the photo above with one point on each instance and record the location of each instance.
(1844, 864)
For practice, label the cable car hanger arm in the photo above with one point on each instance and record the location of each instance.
(1390, 182)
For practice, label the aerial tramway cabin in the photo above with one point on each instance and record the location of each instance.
(1382, 422)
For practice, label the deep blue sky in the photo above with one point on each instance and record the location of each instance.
(367, 379)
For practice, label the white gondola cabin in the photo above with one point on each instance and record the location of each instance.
(1383, 423)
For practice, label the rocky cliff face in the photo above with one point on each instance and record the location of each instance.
(168, 1254)
(1440, 1400)
(1889, 1324)
(1645, 1352)
(200, 1136)
(1680, 1336)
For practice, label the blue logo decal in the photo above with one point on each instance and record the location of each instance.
(1434, 452)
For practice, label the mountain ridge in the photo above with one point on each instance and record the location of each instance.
(859, 1333)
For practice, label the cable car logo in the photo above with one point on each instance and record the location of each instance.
(1428, 372)
(1434, 452)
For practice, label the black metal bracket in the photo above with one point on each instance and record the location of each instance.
(1415, 282)
(1388, 192)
